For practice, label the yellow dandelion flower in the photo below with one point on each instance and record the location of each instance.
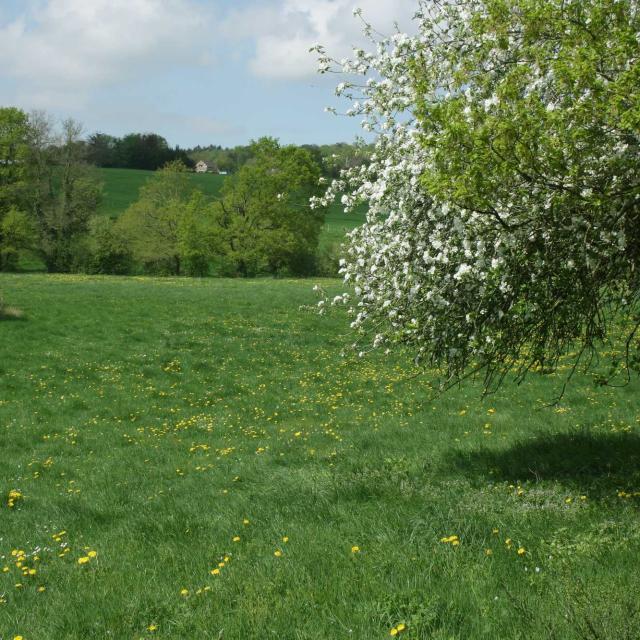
(92, 554)
(184, 592)
(521, 551)
(215, 572)
(355, 549)
(245, 521)
(277, 553)
(236, 538)
(152, 627)
(83, 560)
(42, 589)
(401, 627)
(285, 539)
(488, 552)
(393, 632)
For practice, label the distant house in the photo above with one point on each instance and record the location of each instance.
(202, 167)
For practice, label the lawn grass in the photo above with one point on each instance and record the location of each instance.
(178, 426)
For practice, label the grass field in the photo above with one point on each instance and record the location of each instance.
(121, 187)
(193, 459)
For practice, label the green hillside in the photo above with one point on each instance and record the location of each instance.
(121, 187)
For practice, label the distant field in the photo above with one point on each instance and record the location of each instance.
(121, 187)
(193, 459)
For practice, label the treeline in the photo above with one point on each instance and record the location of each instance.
(148, 151)
(331, 158)
(50, 192)
(151, 151)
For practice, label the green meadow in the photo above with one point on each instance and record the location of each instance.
(186, 458)
(121, 187)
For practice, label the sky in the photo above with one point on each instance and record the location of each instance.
(195, 71)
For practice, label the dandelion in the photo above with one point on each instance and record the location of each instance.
(521, 551)
(184, 592)
(215, 572)
(277, 553)
(236, 538)
(285, 539)
(92, 554)
(152, 627)
(83, 560)
(355, 549)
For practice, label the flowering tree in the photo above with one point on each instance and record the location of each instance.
(504, 220)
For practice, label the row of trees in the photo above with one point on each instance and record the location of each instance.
(148, 151)
(262, 222)
(331, 158)
(50, 193)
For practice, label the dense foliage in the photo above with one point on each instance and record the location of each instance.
(263, 217)
(504, 223)
(148, 151)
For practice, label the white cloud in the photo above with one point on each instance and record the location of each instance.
(59, 50)
(284, 30)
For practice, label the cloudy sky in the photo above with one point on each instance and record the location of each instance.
(195, 71)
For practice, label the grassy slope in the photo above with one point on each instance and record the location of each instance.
(121, 187)
(148, 418)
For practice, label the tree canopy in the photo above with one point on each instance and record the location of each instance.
(504, 222)
(264, 218)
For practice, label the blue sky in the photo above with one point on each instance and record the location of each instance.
(195, 71)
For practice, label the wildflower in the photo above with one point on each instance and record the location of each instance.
(13, 497)
(488, 552)
(454, 541)
(42, 589)
(236, 538)
(245, 522)
(285, 539)
(83, 560)
(184, 592)
(92, 554)
(355, 549)
(152, 627)
(215, 572)
(521, 551)
(277, 553)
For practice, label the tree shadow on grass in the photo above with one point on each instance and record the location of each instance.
(579, 459)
